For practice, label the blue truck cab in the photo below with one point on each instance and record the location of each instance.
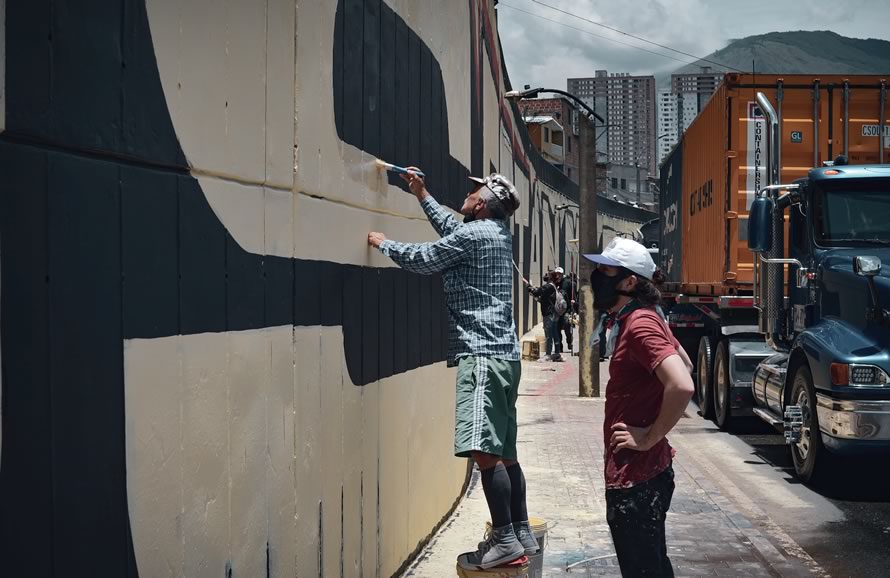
(822, 311)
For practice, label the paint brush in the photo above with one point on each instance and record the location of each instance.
(396, 169)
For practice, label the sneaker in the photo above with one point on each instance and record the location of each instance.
(556, 357)
(526, 537)
(501, 547)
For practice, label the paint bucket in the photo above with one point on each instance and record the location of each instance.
(465, 570)
(536, 561)
(539, 528)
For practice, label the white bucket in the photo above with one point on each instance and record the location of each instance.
(536, 561)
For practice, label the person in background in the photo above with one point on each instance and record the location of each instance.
(475, 260)
(546, 296)
(569, 289)
(648, 390)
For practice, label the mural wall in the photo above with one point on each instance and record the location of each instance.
(205, 370)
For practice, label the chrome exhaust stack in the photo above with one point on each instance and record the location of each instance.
(771, 288)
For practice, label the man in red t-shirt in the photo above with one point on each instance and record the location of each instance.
(648, 391)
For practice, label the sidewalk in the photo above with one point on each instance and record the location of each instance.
(713, 529)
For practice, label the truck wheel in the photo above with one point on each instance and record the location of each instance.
(809, 455)
(722, 387)
(704, 371)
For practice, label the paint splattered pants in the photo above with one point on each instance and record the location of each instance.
(636, 517)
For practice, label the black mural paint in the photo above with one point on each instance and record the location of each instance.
(387, 83)
(370, 72)
(386, 320)
(26, 470)
(400, 323)
(370, 311)
(392, 100)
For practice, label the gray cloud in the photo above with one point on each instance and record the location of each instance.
(543, 53)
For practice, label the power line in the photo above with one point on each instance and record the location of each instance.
(640, 38)
(588, 32)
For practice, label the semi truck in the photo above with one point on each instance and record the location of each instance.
(775, 221)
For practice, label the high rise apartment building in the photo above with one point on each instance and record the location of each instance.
(675, 113)
(629, 106)
(679, 105)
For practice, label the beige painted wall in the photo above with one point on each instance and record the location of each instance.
(609, 226)
(241, 439)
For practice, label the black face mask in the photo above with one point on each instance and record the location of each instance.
(605, 288)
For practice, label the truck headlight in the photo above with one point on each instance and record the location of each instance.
(858, 375)
(867, 375)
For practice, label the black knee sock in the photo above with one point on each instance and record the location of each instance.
(518, 508)
(496, 485)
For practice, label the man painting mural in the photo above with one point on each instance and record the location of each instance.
(474, 258)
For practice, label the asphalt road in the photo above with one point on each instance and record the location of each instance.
(843, 521)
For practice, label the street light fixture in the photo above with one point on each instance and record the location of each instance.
(517, 95)
(566, 206)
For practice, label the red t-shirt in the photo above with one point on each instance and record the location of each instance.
(634, 395)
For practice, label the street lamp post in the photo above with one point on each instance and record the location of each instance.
(589, 382)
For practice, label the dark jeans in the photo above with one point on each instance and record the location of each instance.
(636, 517)
(566, 326)
(553, 335)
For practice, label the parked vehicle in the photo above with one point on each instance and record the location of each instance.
(777, 289)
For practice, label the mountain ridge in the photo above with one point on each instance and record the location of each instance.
(796, 52)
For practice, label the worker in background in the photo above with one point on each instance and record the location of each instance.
(553, 309)
(475, 260)
(648, 390)
(569, 290)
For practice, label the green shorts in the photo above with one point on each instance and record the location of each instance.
(485, 408)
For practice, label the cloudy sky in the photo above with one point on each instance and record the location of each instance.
(543, 53)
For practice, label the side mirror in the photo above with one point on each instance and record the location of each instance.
(760, 230)
(867, 266)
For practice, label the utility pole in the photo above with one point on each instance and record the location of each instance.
(589, 382)
(639, 190)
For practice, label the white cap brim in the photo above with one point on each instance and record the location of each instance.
(603, 260)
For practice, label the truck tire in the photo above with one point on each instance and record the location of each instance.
(809, 455)
(703, 377)
(722, 387)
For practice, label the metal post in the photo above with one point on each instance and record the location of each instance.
(589, 379)
(639, 194)
(780, 97)
(881, 123)
(846, 119)
(816, 162)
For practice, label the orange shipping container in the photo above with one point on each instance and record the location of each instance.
(710, 178)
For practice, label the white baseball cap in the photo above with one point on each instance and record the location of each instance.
(559, 270)
(502, 189)
(626, 253)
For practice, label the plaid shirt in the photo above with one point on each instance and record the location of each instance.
(474, 259)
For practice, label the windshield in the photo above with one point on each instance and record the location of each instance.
(849, 215)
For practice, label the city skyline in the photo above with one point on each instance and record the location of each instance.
(577, 54)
